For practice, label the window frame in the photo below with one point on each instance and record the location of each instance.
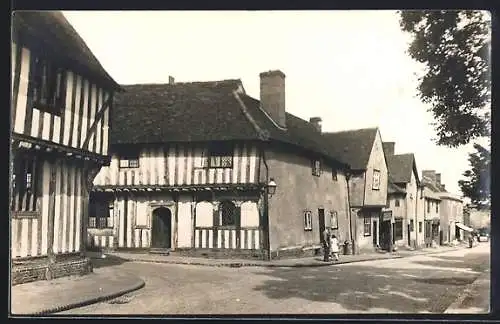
(376, 184)
(428, 206)
(128, 158)
(217, 153)
(334, 216)
(412, 225)
(367, 224)
(25, 167)
(47, 85)
(307, 220)
(236, 217)
(396, 203)
(437, 207)
(95, 222)
(420, 225)
(316, 167)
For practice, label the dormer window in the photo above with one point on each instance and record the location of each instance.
(47, 86)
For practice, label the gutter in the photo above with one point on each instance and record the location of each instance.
(349, 216)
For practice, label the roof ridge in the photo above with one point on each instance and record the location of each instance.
(351, 130)
(180, 83)
(262, 133)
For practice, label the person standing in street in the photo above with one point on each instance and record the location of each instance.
(326, 245)
(334, 247)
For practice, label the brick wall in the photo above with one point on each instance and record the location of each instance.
(39, 270)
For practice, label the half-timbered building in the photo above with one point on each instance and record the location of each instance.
(204, 168)
(61, 99)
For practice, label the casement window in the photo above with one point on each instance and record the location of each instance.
(437, 207)
(411, 225)
(47, 85)
(334, 174)
(376, 180)
(398, 229)
(396, 203)
(420, 227)
(229, 214)
(307, 220)
(334, 220)
(25, 183)
(367, 228)
(129, 160)
(101, 214)
(428, 206)
(217, 156)
(316, 168)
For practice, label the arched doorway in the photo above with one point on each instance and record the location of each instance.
(161, 229)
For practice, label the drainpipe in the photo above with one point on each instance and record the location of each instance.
(266, 207)
(416, 218)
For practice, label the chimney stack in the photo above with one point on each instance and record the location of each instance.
(438, 178)
(316, 121)
(431, 174)
(272, 95)
(388, 148)
(171, 80)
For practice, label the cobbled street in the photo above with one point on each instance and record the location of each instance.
(417, 284)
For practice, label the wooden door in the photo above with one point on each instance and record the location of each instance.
(161, 229)
(322, 224)
(375, 233)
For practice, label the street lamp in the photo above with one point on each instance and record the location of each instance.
(271, 187)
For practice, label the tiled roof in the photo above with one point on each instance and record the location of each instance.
(400, 167)
(392, 188)
(203, 111)
(353, 146)
(57, 33)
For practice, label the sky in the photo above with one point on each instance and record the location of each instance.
(350, 68)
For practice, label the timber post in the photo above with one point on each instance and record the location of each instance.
(55, 164)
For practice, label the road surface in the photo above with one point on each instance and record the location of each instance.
(417, 284)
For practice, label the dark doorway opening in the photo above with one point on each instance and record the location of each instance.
(385, 235)
(322, 224)
(161, 229)
(375, 233)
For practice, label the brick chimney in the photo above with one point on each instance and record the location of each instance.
(272, 95)
(431, 174)
(388, 148)
(438, 178)
(171, 80)
(316, 121)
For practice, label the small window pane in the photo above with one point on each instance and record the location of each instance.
(134, 163)
(123, 163)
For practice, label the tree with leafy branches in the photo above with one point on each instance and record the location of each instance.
(477, 183)
(454, 46)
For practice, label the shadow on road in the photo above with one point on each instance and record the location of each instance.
(410, 289)
(109, 261)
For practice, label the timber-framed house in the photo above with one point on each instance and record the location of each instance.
(203, 168)
(61, 101)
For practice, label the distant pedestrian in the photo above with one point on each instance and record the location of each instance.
(334, 247)
(326, 245)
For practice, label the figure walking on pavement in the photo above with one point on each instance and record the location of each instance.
(334, 247)
(326, 245)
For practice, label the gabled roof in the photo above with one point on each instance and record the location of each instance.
(55, 32)
(401, 166)
(203, 111)
(353, 146)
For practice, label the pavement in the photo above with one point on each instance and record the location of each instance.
(475, 298)
(52, 296)
(316, 261)
(108, 282)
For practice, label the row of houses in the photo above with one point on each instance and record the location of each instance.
(197, 168)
